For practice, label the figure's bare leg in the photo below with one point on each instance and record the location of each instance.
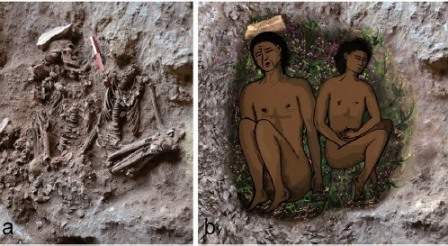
(267, 140)
(374, 176)
(253, 158)
(373, 154)
(374, 151)
(368, 147)
(386, 125)
(296, 169)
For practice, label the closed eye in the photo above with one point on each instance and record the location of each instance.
(361, 58)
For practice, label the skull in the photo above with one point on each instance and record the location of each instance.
(65, 49)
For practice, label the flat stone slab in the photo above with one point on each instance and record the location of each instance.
(4, 124)
(52, 34)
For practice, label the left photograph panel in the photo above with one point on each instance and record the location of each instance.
(96, 122)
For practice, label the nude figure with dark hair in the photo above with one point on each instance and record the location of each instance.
(274, 112)
(342, 102)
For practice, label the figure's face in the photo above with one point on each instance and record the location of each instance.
(267, 55)
(356, 61)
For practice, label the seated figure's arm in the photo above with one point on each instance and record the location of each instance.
(246, 105)
(320, 116)
(307, 105)
(374, 112)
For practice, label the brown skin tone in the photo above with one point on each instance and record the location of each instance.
(274, 111)
(343, 100)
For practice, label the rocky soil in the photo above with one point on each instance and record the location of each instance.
(413, 212)
(53, 190)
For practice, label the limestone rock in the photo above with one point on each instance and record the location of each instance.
(52, 34)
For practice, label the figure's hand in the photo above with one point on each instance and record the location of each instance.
(341, 142)
(350, 134)
(317, 184)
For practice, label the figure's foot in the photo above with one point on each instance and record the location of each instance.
(278, 199)
(259, 197)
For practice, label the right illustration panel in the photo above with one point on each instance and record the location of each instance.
(322, 122)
